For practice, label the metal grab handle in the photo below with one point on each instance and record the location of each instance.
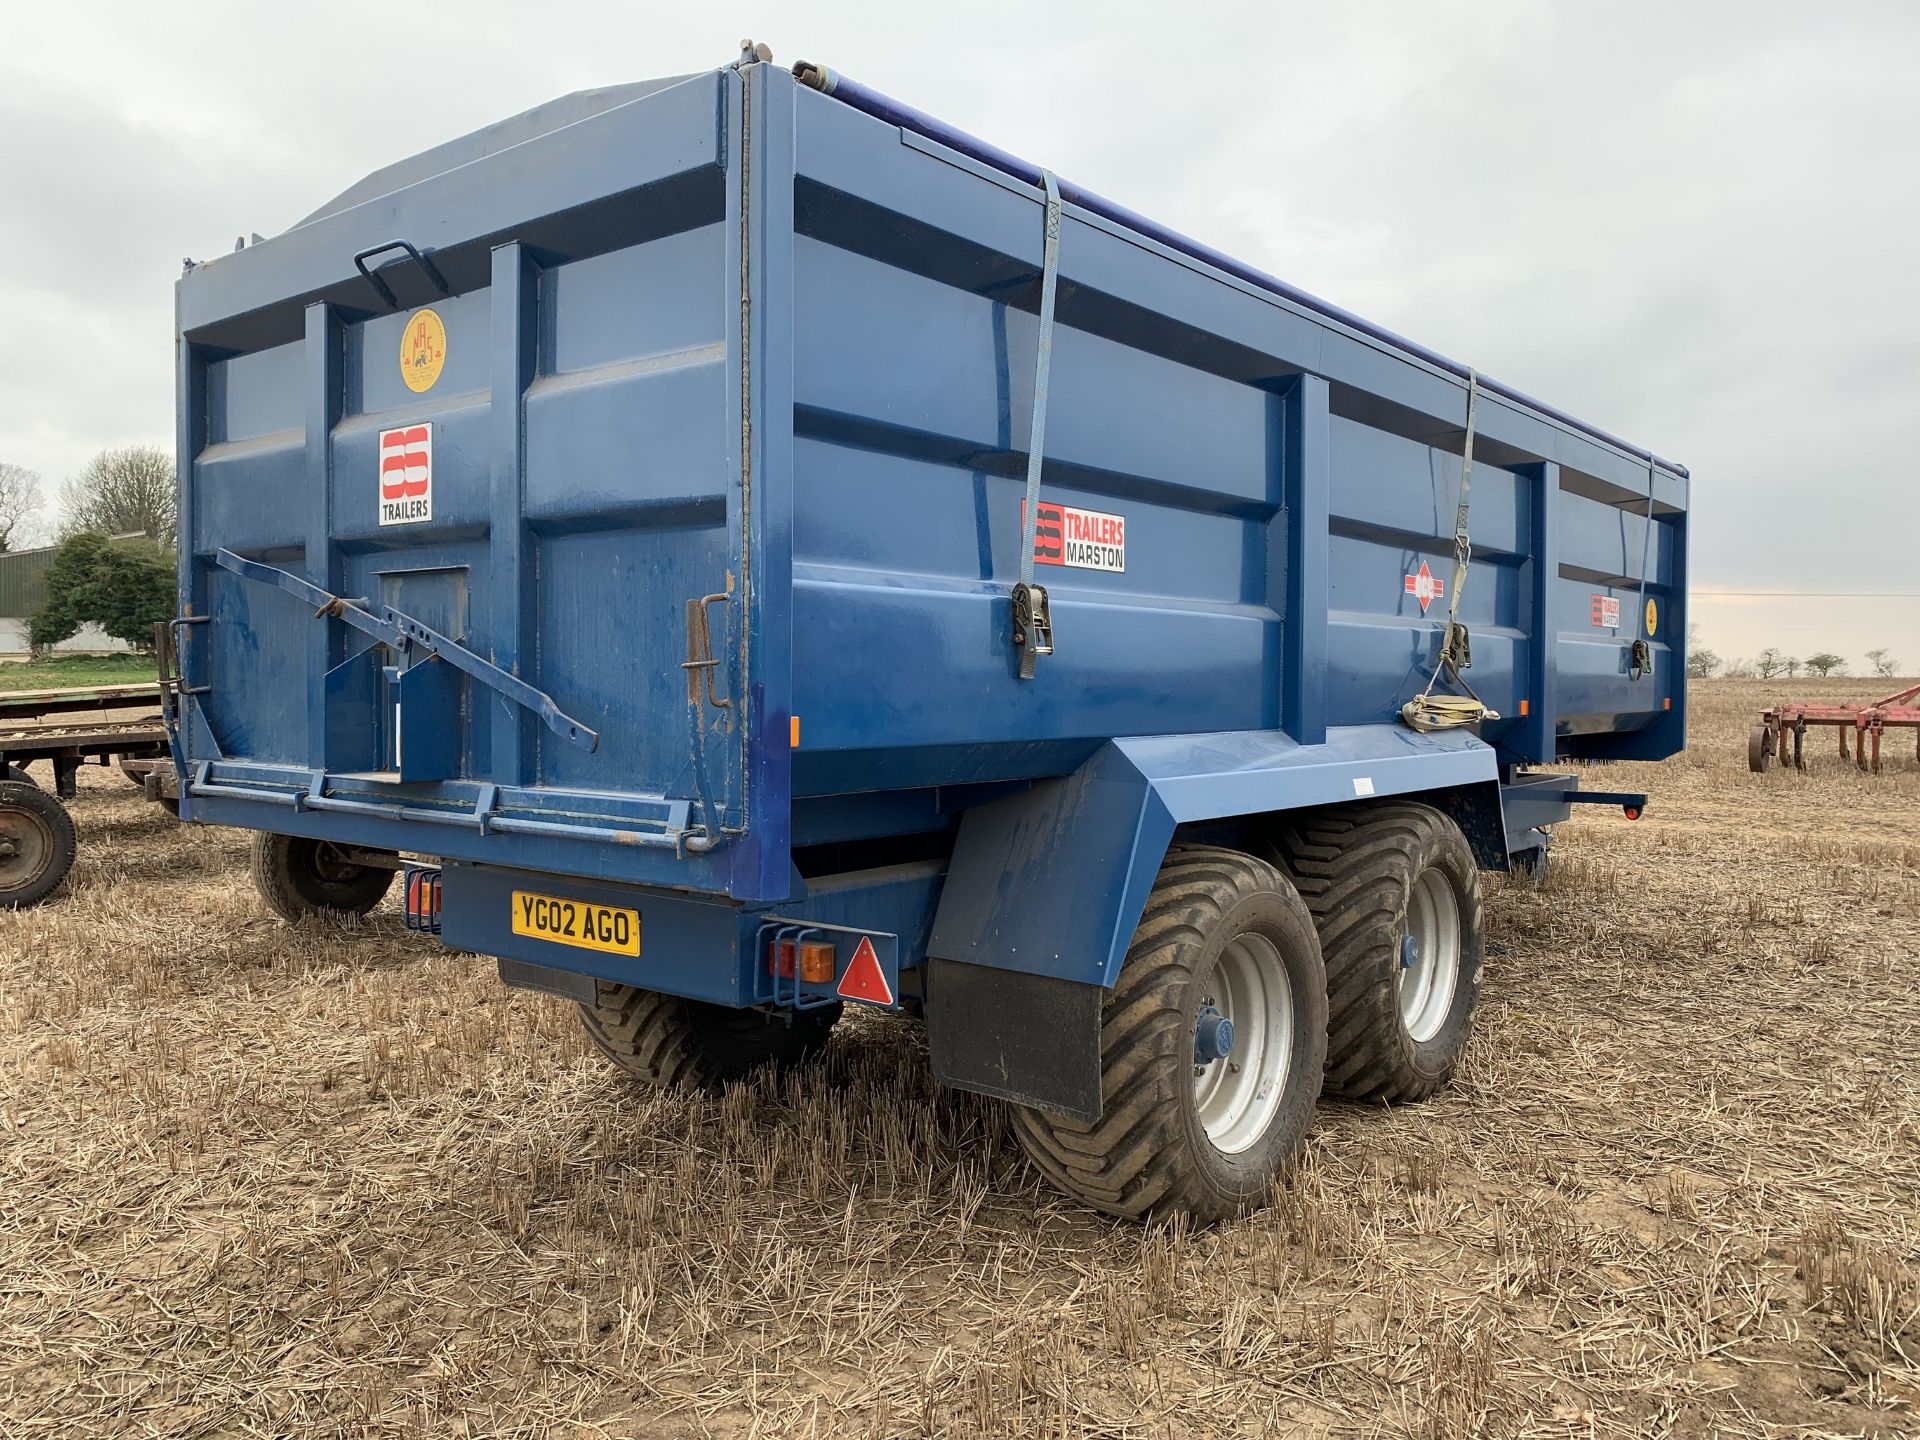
(385, 290)
(700, 659)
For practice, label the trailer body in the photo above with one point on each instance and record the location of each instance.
(622, 506)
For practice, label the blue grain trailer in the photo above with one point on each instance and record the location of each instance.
(755, 549)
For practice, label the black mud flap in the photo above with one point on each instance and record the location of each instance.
(567, 984)
(1031, 1039)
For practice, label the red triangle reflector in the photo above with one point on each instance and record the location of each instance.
(865, 980)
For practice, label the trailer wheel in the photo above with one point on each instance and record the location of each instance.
(667, 1040)
(1760, 748)
(17, 775)
(1212, 1045)
(298, 877)
(1395, 892)
(37, 844)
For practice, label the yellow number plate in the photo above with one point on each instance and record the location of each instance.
(575, 922)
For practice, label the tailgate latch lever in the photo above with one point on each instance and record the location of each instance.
(401, 633)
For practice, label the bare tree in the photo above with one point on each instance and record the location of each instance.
(123, 492)
(1703, 663)
(1770, 662)
(1826, 663)
(1884, 665)
(19, 498)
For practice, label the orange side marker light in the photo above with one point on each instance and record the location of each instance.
(793, 728)
(1525, 706)
(817, 962)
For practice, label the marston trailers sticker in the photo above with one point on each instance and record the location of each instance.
(1425, 586)
(406, 475)
(1087, 539)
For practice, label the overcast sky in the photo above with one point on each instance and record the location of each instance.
(1690, 223)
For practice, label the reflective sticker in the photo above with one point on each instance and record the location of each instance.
(1653, 618)
(1363, 785)
(1424, 586)
(423, 350)
(406, 475)
(1606, 612)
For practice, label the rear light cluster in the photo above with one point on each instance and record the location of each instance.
(815, 957)
(423, 898)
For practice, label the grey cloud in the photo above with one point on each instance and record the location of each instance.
(1690, 223)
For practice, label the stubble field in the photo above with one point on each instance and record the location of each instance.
(262, 1181)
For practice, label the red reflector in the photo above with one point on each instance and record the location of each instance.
(865, 980)
(780, 959)
(1633, 812)
(815, 958)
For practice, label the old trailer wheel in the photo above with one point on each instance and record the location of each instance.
(1212, 1047)
(1395, 891)
(17, 775)
(1760, 749)
(37, 844)
(667, 1040)
(298, 877)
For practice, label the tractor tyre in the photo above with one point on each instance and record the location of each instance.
(1395, 893)
(17, 775)
(667, 1040)
(1192, 1121)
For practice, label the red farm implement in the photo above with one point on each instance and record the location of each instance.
(1782, 731)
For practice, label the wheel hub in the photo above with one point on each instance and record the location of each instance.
(332, 866)
(1429, 955)
(1243, 1044)
(26, 846)
(1212, 1036)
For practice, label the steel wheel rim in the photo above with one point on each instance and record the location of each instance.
(332, 867)
(1237, 1098)
(1430, 968)
(33, 839)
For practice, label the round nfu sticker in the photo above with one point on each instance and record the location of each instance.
(1653, 618)
(423, 350)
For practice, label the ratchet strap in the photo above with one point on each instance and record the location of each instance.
(1428, 711)
(1640, 656)
(1032, 619)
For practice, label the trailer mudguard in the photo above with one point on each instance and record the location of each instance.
(1047, 886)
